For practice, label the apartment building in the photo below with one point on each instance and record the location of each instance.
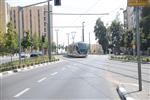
(32, 19)
(4, 15)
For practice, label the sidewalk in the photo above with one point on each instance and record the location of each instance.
(131, 92)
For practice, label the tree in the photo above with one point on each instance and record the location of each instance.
(53, 47)
(116, 30)
(127, 41)
(145, 26)
(35, 42)
(100, 33)
(26, 41)
(11, 42)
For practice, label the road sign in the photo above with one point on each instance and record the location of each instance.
(137, 2)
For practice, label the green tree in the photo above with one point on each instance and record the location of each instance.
(35, 42)
(116, 30)
(26, 41)
(45, 46)
(11, 42)
(53, 46)
(101, 36)
(145, 26)
(127, 41)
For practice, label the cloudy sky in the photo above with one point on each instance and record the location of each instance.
(80, 6)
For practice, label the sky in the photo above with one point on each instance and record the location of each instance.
(80, 6)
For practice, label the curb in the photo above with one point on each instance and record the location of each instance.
(123, 93)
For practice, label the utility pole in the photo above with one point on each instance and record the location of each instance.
(49, 34)
(138, 49)
(57, 41)
(89, 43)
(19, 35)
(83, 31)
(73, 35)
(68, 38)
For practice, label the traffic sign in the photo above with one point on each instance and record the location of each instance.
(137, 2)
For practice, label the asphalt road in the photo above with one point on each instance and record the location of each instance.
(91, 78)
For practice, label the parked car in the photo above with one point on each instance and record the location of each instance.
(36, 54)
(23, 55)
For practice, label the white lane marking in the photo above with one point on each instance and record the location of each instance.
(22, 92)
(44, 78)
(54, 73)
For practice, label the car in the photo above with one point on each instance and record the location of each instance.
(36, 54)
(23, 55)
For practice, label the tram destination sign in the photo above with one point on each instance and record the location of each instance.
(138, 3)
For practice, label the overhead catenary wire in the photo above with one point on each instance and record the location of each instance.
(80, 13)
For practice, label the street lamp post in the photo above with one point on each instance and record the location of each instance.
(73, 36)
(68, 38)
(89, 43)
(49, 35)
(57, 41)
(83, 31)
(19, 35)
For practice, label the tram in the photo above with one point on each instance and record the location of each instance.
(78, 49)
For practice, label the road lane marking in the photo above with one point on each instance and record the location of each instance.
(54, 73)
(22, 92)
(44, 78)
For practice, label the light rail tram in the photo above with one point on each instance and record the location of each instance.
(78, 49)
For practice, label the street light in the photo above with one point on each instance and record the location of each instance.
(68, 38)
(73, 35)
(57, 41)
(83, 31)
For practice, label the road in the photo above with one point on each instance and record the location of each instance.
(92, 78)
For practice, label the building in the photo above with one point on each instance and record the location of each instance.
(4, 15)
(32, 19)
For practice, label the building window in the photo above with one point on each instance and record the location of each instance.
(44, 29)
(44, 18)
(44, 23)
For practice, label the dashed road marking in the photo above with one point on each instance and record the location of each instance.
(54, 73)
(44, 78)
(22, 92)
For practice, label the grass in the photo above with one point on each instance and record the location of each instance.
(25, 63)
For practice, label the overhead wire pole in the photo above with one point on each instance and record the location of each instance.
(89, 43)
(57, 41)
(49, 35)
(138, 49)
(68, 38)
(83, 31)
(19, 35)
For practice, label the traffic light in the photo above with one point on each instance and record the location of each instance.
(57, 2)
